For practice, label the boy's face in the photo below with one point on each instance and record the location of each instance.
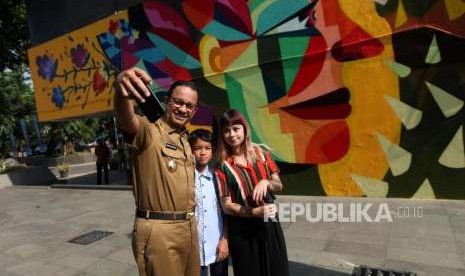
(202, 151)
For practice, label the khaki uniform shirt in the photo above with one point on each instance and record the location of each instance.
(162, 168)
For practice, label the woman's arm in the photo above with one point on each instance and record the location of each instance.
(235, 209)
(222, 249)
(273, 184)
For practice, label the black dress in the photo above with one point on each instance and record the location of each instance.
(257, 247)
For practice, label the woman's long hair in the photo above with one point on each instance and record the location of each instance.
(229, 118)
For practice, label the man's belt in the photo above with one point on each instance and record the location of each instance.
(164, 215)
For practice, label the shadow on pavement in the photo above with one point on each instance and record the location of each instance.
(30, 176)
(300, 269)
(116, 177)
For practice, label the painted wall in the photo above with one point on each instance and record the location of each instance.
(354, 97)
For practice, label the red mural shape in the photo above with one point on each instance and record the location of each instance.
(329, 143)
(174, 71)
(358, 44)
(169, 25)
(311, 65)
(232, 13)
(199, 13)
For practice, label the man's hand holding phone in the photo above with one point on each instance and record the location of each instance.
(132, 83)
(135, 84)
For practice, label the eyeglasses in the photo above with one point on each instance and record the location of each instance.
(178, 103)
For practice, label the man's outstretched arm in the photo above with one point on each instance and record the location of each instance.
(130, 84)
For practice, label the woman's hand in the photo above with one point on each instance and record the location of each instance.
(266, 211)
(222, 250)
(259, 192)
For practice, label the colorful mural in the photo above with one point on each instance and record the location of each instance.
(356, 98)
(72, 76)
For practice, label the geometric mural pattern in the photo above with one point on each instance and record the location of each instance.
(355, 98)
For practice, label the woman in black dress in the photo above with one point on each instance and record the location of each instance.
(247, 176)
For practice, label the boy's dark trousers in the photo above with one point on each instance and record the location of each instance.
(216, 269)
(101, 166)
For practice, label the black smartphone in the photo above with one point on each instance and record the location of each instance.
(152, 108)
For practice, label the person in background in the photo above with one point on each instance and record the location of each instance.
(212, 233)
(247, 176)
(103, 158)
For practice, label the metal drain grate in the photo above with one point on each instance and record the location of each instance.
(372, 271)
(90, 237)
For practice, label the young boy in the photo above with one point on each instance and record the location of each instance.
(213, 242)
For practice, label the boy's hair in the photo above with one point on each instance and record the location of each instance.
(200, 133)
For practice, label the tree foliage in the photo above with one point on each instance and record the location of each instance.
(14, 32)
(16, 100)
(16, 95)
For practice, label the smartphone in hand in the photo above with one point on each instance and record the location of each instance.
(152, 108)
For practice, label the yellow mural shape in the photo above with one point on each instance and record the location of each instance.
(454, 155)
(373, 113)
(398, 158)
(455, 8)
(409, 116)
(71, 75)
(401, 16)
(425, 191)
(372, 187)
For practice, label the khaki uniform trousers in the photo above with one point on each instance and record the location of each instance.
(166, 247)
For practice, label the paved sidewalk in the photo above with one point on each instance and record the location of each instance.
(37, 222)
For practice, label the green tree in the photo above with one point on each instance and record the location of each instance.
(16, 95)
(14, 32)
(16, 100)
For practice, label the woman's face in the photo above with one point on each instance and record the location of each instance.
(234, 135)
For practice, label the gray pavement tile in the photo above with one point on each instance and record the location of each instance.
(25, 250)
(85, 273)
(460, 242)
(358, 249)
(7, 273)
(8, 260)
(422, 230)
(123, 256)
(77, 261)
(457, 222)
(448, 260)
(108, 267)
(424, 244)
(344, 262)
(58, 250)
(98, 250)
(35, 225)
(307, 244)
(133, 271)
(360, 237)
(35, 268)
(433, 219)
(300, 256)
(367, 228)
(305, 230)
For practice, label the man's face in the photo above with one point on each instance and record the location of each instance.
(181, 106)
(202, 151)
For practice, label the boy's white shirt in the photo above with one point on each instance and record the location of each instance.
(208, 215)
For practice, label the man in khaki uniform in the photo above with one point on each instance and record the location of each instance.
(165, 237)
